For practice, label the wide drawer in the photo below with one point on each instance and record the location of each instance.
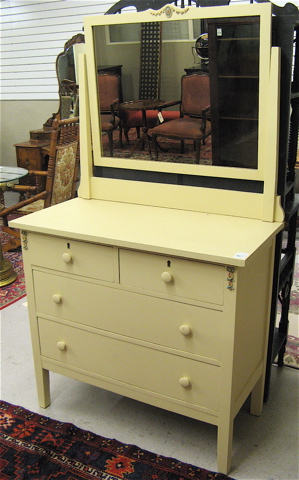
(172, 276)
(135, 365)
(189, 328)
(70, 256)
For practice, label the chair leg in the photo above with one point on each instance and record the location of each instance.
(182, 146)
(110, 136)
(126, 131)
(197, 145)
(121, 137)
(155, 146)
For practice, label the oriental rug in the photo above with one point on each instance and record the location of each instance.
(35, 447)
(171, 149)
(16, 290)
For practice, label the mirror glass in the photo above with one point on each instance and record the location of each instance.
(232, 48)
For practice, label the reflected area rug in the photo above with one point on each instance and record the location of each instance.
(35, 447)
(171, 149)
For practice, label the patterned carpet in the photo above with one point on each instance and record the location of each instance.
(16, 290)
(35, 447)
(171, 150)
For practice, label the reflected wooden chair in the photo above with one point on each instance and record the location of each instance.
(193, 123)
(61, 177)
(109, 94)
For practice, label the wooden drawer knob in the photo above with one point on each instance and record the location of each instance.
(185, 330)
(56, 298)
(67, 257)
(61, 346)
(166, 277)
(184, 382)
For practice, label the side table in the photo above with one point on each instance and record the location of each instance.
(7, 174)
(143, 106)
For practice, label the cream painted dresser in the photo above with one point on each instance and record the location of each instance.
(150, 306)
(158, 287)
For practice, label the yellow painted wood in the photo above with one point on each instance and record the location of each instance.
(224, 202)
(86, 160)
(117, 359)
(194, 235)
(270, 144)
(111, 310)
(193, 280)
(96, 262)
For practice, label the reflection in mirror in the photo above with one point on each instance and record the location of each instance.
(233, 52)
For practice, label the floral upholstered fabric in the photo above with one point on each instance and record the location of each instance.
(64, 173)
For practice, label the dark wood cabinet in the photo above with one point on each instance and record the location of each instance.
(234, 77)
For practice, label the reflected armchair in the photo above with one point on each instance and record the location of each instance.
(109, 94)
(61, 177)
(193, 123)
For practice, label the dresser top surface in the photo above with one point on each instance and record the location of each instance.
(195, 235)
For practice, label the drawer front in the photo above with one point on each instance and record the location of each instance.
(135, 365)
(172, 276)
(71, 256)
(189, 328)
(29, 158)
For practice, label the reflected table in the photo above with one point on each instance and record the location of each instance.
(7, 174)
(143, 106)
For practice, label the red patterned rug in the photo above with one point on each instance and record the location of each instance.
(16, 290)
(170, 153)
(35, 447)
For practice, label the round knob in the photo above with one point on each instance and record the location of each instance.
(185, 330)
(67, 257)
(166, 277)
(61, 346)
(185, 382)
(56, 298)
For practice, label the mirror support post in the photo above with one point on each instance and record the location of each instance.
(271, 147)
(84, 190)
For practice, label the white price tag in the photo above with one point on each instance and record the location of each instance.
(160, 116)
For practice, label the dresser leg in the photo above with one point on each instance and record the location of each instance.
(257, 397)
(43, 388)
(224, 445)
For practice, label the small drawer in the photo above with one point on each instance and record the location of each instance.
(70, 256)
(176, 325)
(138, 366)
(172, 276)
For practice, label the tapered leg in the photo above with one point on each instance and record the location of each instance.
(43, 387)
(224, 445)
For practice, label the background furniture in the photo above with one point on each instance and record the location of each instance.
(109, 94)
(234, 84)
(60, 178)
(116, 70)
(143, 107)
(286, 36)
(34, 153)
(7, 174)
(194, 113)
(149, 79)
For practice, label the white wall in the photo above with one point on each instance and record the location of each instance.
(33, 33)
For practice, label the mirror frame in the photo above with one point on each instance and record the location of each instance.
(142, 191)
(78, 38)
